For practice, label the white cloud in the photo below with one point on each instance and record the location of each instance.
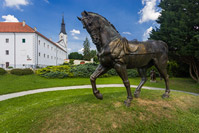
(127, 33)
(10, 18)
(16, 3)
(69, 49)
(76, 38)
(74, 32)
(146, 34)
(149, 12)
(81, 50)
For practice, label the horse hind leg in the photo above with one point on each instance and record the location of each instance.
(121, 70)
(162, 68)
(142, 73)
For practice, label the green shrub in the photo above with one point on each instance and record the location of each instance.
(62, 71)
(10, 67)
(71, 61)
(2, 71)
(26, 71)
(66, 63)
(132, 73)
(55, 75)
(84, 70)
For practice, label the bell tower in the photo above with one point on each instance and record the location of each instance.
(63, 38)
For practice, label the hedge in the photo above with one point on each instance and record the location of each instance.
(2, 71)
(26, 71)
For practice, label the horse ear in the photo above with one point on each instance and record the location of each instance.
(86, 13)
(80, 19)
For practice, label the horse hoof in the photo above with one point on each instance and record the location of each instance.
(127, 102)
(165, 95)
(137, 94)
(99, 96)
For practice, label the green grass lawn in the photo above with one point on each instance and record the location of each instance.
(12, 83)
(79, 111)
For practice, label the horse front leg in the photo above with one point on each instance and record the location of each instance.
(100, 70)
(122, 72)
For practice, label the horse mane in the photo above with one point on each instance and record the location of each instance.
(105, 20)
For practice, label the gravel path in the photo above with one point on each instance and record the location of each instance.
(23, 93)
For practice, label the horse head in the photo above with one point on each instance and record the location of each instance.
(92, 25)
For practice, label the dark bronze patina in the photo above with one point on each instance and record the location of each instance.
(117, 52)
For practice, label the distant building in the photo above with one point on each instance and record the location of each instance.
(24, 47)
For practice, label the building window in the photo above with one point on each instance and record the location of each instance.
(48, 46)
(51, 48)
(47, 56)
(7, 52)
(44, 44)
(51, 57)
(39, 54)
(7, 40)
(23, 40)
(39, 42)
(44, 55)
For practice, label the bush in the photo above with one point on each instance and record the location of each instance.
(62, 71)
(10, 67)
(2, 71)
(84, 70)
(55, 75)
(132, 73)
(81, 70)
(26, 71)
(71, 61)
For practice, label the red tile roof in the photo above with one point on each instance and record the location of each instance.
(15, 27)
(18, 27)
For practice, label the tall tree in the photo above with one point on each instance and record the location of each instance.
(93, 53)
(86, 51)
(179, 28)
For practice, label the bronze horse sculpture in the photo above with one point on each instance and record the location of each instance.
(116, 52)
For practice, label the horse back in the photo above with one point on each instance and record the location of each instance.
(148, 47)
(146, 52)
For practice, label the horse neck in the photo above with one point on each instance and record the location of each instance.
(108, 34)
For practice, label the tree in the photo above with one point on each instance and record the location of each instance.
(179, 28)
(75, 55)
(94, 56)
(86, 51)
(93, 53)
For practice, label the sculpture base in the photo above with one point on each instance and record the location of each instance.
(153, 81)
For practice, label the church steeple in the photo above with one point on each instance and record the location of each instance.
(63, 29)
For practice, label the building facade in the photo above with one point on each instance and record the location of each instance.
(24, 47)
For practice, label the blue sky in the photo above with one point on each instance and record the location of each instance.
(134, 19)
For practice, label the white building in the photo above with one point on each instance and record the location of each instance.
(24, 47)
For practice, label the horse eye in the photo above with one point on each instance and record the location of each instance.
(89, 24)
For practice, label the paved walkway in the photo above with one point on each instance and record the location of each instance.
(23, 93)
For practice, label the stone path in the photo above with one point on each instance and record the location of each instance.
(23, 93)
